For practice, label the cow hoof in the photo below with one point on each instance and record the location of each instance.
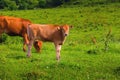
(58, 59)
(28, 55)
(24, 50)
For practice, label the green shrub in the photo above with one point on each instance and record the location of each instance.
(10, 5)
(42, 3)
(3, 38)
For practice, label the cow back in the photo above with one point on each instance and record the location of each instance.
(14, 26)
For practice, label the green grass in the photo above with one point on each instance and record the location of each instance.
(80, 58)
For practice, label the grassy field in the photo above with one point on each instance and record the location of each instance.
(89, 53)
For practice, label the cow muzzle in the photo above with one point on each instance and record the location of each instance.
(66, 34)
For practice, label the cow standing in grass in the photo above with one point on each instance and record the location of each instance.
(51, 33)
(15, 27)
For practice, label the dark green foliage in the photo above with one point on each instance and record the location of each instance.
(42, 3)
(27, 4)
(53, 3)
(32, 4)
(2, 4)
(8, 4)
(3, 38)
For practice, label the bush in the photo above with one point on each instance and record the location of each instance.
(53, 3)
(27, 4)
(42, 3)
(2, 4)
(10, 5)
(23, 5)
(31, 4)
(3, 38)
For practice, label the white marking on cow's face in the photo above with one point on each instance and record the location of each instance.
(58, 28)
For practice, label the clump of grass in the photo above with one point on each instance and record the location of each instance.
(32, 76)
(107, 40)
(94, 49)
(3, 38)
(94, 40)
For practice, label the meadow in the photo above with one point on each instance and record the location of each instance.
(90, 52)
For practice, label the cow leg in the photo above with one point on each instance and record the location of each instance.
(58, 48)
(26, 42)
(29, 48)
(24, 46)
(1, 31)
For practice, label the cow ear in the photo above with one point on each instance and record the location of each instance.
(58, 28)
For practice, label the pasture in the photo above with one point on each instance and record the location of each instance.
(91, 51)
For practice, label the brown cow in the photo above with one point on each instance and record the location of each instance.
(15, 27)
(51, 33)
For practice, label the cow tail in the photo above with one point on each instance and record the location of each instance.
(6, 21)
(28, 31)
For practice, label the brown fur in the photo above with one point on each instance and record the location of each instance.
(50, 33)
(15, 27)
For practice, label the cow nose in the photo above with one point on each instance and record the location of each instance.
(66, 34)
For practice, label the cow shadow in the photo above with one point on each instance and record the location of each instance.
(19, 57)
(15, 56)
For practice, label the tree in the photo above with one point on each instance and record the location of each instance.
(53, 3)
(10, 5)
(42, 3)
(2, 4)
(32, 4)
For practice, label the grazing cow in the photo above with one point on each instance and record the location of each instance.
(15, 27)
(38, 45)
(51, 33)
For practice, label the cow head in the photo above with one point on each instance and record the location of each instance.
(65, 29)
(38, 45)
